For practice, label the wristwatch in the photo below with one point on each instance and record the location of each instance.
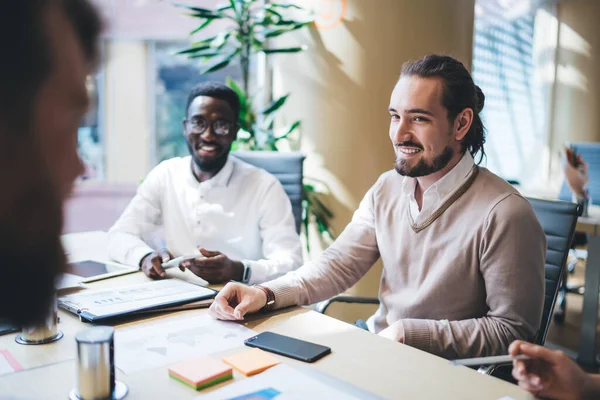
(270, 298)
(247, 272)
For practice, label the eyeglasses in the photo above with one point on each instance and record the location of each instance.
(219, 127)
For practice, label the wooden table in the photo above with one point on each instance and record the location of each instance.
(380, 366)
(587, 355)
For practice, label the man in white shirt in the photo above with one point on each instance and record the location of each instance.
(235, 217)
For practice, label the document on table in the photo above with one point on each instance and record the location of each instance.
(95, 305)
(164, 344)
(283, 382)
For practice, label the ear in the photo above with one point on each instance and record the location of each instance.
(184, 123)
(462, 123)
(236, 129)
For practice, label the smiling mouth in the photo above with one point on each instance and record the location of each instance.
(207, 149)
(408, 151)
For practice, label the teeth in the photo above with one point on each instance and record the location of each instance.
(208, 148)
(409, 151)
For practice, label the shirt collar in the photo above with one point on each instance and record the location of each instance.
(221, 179)
(447, 183)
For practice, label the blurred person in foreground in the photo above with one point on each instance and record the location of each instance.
(551, 374)
(50, 47)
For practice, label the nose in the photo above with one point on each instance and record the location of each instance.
(208, 134)
(401, 132)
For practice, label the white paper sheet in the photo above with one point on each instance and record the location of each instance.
(164, 344)
(283, 382)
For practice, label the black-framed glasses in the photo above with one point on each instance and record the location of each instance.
(219, 127)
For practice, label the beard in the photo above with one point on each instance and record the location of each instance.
(30, 227)
(208, 164)
(424, 168)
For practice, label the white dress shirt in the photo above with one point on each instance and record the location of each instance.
(437, 193)
(243, 212)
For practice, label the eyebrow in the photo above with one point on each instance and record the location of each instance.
(413, 111)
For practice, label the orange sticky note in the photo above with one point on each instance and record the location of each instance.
(200, 373)
(251, 362)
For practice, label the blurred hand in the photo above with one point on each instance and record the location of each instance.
(236, 300)
(215, 267)
(549, 374)
(576, 173)
(151, 264)
(394, 332)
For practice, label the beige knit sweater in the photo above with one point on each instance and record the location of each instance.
(465, 285)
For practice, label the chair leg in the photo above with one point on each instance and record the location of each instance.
(559, 314)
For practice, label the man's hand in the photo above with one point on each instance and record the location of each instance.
(215, 268)
(549, 374)
(394, 332)
(151, 264)
(576, 173)
(236, 300)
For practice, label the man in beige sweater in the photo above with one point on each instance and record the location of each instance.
(463, 252)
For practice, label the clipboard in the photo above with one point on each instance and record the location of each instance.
(97, 305)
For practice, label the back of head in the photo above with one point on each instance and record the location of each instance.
(218, 91)
(30, 204)
(460, 92)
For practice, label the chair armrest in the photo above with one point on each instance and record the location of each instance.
(321, 307)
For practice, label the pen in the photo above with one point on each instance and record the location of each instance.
(178, 260)
(469, 362)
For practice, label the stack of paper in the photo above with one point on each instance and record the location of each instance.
(200, 373)
(251, 362)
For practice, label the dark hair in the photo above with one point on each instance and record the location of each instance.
(218, 91)
(31, 209)
(460, 92)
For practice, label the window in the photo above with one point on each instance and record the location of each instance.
(89, 135)
(505, 66)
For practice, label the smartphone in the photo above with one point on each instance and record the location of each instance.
(287, 346)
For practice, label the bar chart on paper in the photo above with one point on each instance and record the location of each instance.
(145, 348)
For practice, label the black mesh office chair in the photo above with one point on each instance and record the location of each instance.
(558, 220)
(285, 166)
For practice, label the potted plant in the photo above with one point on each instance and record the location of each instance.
(249, 27)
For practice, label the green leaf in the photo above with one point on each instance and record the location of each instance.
(280, 5)
(269, 9)
(289, 130)
(196, 9)
(224, 8)
(242, 96)
(285, 50)
(216, 67)
(202, 26)
(206, 55)
(275, 105)
(192, 50)
(220, 40)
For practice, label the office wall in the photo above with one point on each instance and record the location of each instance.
(341, 86)
(576, 101)
(127, 107)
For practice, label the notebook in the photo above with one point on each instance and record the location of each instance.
(251, 362)
(95, 305)
(200, 373)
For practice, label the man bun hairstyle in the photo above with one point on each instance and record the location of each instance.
(459, 92)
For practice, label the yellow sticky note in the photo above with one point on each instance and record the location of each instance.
(251, 362)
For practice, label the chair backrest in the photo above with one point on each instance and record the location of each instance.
(558, 220)
(285, 166)
(590, 152)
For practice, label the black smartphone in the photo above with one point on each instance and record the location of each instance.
(287, 346)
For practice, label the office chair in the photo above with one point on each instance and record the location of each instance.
(558, 220)
(285, 166)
